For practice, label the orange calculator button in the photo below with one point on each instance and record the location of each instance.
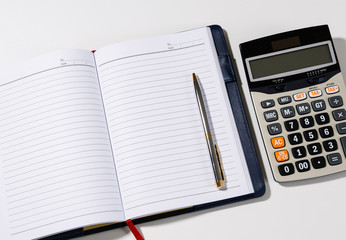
(281, 156)
(315, 93)
(333, 89)
(299, 96)
(278, 142)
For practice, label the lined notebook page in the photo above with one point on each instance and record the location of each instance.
(56, 160)
(155, 126)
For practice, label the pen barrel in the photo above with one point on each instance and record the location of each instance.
(216, 165)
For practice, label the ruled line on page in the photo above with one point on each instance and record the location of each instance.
(111, 66)
(158, 111)
(63, 220)
(56, 164)
(27, 183)
(149, 53)
(185, 196)
(60, 125)
(45, 88)
(55, 149)
(105, 193)
(99, 206)
(25, 203)
(43, 71)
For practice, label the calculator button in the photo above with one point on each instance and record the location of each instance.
(268, 103)
(306, 122)
(339, 114)
(335, 101)
(315, 93)
(303, 165)
(333, 89)
(310, 135)
(341, 127)
(303, 108)
(299, 152)
(295, 138)
(318, 162)
(281, 156)
(318, 105)
(314, 148)
(299, 96)
(330, 145)
(343, 144)
(334, 159)
(274, 128)
(284, 100)
(291, 125)
(287, 112)
(271, 116)
(326, 132)
(278, 142)
(286, 169)
(322, 118)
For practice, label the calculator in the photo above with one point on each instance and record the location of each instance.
(298, 93)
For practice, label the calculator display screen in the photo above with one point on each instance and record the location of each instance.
(290, 62)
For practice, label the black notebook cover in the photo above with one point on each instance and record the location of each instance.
(245, 137)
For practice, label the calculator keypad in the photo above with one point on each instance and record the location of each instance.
(305, 131)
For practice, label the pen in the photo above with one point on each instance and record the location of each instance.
(213, 150)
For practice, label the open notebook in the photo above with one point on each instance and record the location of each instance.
(92, 138)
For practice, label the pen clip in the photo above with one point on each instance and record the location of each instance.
(219, 160)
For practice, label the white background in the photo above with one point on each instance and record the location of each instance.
(312, 209)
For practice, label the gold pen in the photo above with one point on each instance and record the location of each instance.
(213, 150)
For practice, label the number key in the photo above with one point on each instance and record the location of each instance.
(303, 165)
(330, 145)
(310, 135)
(326, 132)
(307, 122)
(299, 152)
(322, 118)
(286, 169)
(291, 125)
(295, 138)
(314, 148)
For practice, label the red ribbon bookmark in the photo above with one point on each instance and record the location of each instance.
(134, 230)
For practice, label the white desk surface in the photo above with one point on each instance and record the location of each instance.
(313, 209)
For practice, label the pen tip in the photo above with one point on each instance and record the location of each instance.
(194, 77)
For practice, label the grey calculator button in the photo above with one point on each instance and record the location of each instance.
(343, 144)
(341, 127)
(339, 114)
(284, 100)
(335, 101)
(287, 112)
(334, 159)
(303, 108)
(274, 128)
(271, 115)
(268, 103)
(318, 105)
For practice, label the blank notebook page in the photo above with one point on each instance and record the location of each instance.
(159, 146)
(56, 161)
